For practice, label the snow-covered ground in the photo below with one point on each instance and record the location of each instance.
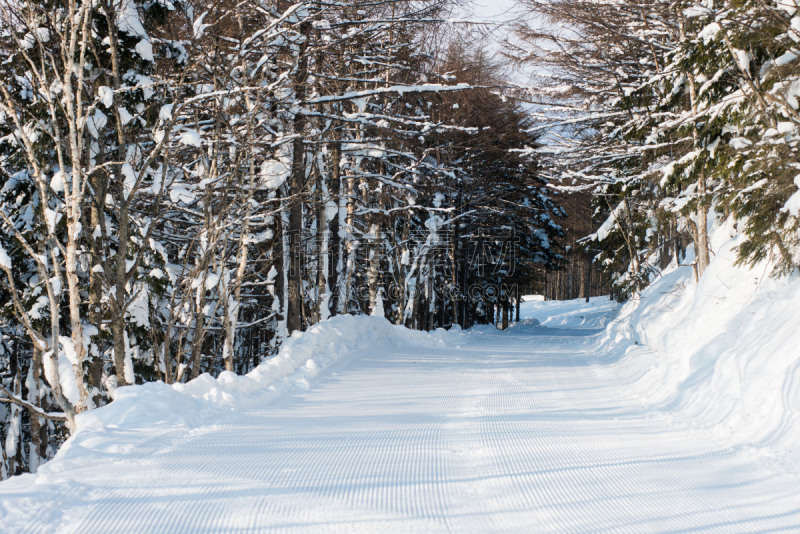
(677, 412)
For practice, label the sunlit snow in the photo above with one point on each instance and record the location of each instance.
(676, 412)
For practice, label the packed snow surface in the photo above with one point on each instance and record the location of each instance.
(677, 412)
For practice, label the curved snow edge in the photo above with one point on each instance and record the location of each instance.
(156, 408)
(727, 355)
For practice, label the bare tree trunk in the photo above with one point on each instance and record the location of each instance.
(118, 315)
(232, 312)
(588, 276)
(701, 225)
(351, 247)
(630, 239)
(322, 198)
(38, 445)
(294, 312)
(373, 271)
(11, 449)
(703, 257)
(199, 327)
(334, 240)
(206, 250)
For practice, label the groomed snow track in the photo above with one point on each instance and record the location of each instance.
(537, 429)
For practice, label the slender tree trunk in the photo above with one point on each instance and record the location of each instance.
(587, 273)
(96, 217)
(703, 257)
(322, 198)
(199, 326)
(334, 240)
(38, 445)
(294, 312)
(701, 225)
(231, 318)
(351, 247)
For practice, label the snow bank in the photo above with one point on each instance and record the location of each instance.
(303, 356)
(727, 350)
(156, 408)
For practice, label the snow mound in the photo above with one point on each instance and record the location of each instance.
(157, 408)
(303, 356)
(726, 351)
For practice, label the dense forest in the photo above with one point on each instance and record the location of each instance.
(670, 115)
(184, 184)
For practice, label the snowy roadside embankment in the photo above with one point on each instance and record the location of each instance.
(148, 410)
(727, 351)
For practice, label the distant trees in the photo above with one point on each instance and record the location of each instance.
(506, 225)
(184, 184)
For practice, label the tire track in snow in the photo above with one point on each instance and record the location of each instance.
(542, 430)
(583, 472)
(374, 471)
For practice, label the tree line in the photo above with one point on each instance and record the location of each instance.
(183, 184)
(671, 114)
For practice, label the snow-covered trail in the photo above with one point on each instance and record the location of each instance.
(540, 428)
